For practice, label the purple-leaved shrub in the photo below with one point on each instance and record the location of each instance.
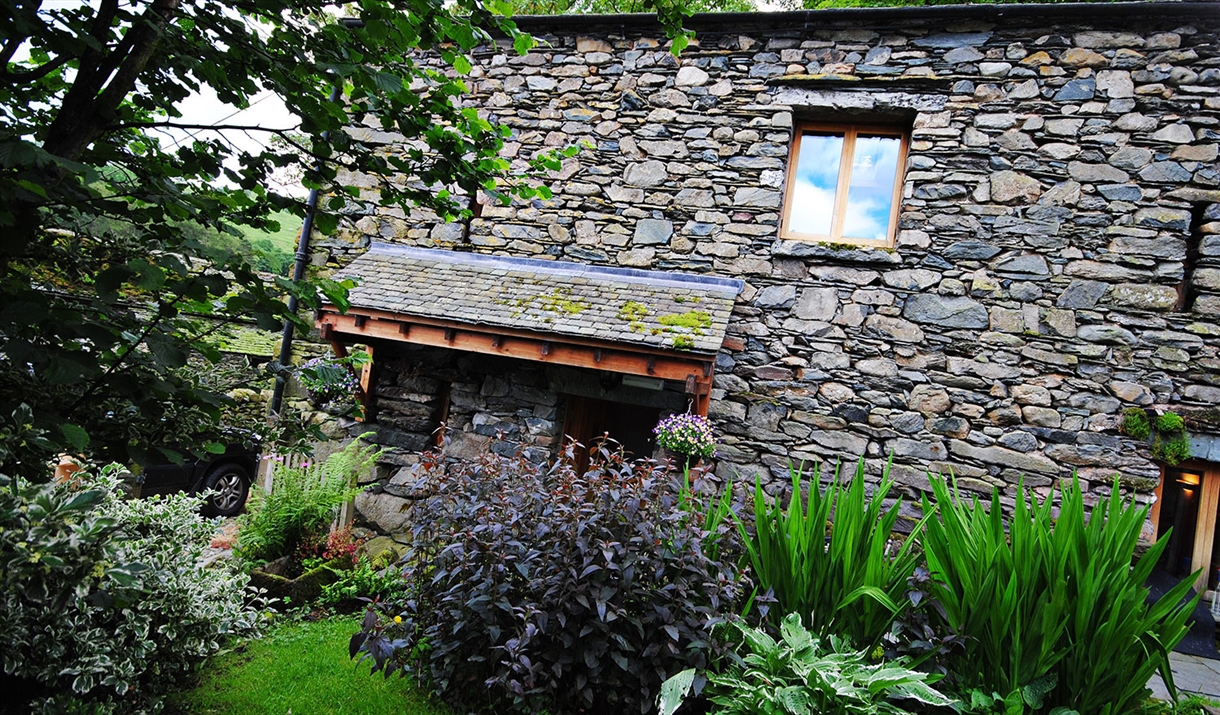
(537, 589)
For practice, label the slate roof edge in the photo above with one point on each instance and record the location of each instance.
(1100, 13)
(729, 287)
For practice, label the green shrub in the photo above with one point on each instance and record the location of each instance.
(804, 674)
(106, 603)
(1052, 609)
(537, 589)
(839, 574)
(367, 579)
(298, 511)
(1136, 424)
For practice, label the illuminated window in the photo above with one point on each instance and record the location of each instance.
(844, 183)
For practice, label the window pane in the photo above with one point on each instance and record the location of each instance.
(871, 193)
(817, 176)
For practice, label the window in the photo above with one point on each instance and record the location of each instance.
(844, 183)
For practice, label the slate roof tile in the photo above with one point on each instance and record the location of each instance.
(652, 308)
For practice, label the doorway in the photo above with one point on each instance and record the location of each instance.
(588, 418)
(1188, 502)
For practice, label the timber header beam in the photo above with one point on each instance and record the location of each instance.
(359, 326)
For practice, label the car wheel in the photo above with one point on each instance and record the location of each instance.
(226, 488)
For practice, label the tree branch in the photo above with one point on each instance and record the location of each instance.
(35, 74)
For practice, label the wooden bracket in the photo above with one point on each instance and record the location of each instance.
(326, 331)
(695, 386)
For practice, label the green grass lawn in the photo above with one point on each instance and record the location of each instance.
(300, 668)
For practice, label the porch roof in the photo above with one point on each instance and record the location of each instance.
(643, 309)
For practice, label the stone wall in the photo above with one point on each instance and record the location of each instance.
(1059, 163)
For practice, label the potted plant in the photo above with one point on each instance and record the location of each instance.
(687, 436)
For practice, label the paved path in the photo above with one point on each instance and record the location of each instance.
(1191, 674)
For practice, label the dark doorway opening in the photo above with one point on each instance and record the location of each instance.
(1180, 495)
(588, 418)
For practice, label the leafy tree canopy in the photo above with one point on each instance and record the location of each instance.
(109, 281)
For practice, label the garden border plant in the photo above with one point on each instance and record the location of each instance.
(1041, 599)
(537, 589)
(106, 603)
(827, 556)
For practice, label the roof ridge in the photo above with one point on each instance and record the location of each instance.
(730, 286)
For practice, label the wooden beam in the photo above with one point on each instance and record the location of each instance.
(368, 384)
(1205, 524)
(399, 318)
(479, 339)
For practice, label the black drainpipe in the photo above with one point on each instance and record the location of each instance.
(298, 272)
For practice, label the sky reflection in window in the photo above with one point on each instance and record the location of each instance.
(817, 176)
(870, 196)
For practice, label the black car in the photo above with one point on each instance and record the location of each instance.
(225, 477)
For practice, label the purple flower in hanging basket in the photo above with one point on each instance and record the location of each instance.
(687, 434)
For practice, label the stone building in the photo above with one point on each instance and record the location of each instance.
(971, 238)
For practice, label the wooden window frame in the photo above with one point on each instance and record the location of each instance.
(850, 132)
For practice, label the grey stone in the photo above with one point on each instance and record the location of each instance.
(1161, 217)
(781, 296)
(650, 231)
(1143, 296)
(1121, 192)
(816, 304)
(1165, 172)
(808, 249)
(951, 40)
(1004, 457)
(1131, 158)
(896, 329)
(913, 279)
(946, 311)
(1116, 84)
(1174, 134)
(645, 174)
(907, 422)
(1106, 334)
(750, 196)
(1081, 171)
(385, 511)
(1019, 441)
(1029, 266)
(690, 76)
(1077, 90)
(970, 251)
(963, 54)
(1009, 186)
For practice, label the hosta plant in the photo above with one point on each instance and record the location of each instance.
(1053, 605)
(538, 589)
(832, 558)
(801, 674)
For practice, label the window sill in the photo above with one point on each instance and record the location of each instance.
(835, 252)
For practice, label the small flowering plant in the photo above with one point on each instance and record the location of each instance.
(687, 434)
(328, 379)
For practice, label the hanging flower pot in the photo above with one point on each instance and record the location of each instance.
(688, 437)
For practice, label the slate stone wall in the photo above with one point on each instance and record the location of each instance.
(1059, 163)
